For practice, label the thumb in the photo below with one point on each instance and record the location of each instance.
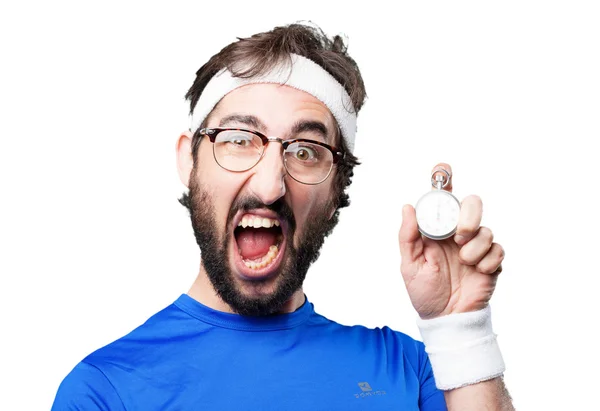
(411, 244)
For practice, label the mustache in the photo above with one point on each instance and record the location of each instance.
(280, 207)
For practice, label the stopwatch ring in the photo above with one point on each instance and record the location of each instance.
(446, 180)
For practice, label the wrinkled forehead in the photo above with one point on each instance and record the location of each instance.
(301, 74)
(273, 109)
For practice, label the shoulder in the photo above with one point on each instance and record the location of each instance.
(385, 333)
(396, 346)
(86, 387)
(95, 382)
(160, 327)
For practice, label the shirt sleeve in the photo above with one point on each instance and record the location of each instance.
(430, 398)
(86, 388)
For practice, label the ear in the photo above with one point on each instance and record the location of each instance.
(185, 161)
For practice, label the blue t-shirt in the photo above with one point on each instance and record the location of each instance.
(191, 357)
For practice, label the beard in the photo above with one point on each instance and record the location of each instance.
(292, 270)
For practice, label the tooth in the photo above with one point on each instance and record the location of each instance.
(244, 222)
(264, 261)
(267, 223)
(276, 222)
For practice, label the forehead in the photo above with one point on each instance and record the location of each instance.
(277, 106)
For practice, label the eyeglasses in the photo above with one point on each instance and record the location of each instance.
(306, 161)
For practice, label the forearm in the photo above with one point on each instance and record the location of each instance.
(463, 350)
(490, 395)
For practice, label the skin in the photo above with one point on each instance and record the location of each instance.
(279, 109)
(455, 275)
(442, 277)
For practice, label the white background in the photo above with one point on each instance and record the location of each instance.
(93, 240)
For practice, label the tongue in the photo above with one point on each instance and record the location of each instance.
(255, 242)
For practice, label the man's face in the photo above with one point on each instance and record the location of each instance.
(259, 230)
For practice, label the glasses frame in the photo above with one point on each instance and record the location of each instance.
(213, 132)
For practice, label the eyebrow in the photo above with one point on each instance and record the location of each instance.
(300, 126)
(248, 120)
(313, 127)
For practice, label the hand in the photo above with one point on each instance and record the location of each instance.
(455, 275)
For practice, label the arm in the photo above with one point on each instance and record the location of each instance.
(493, 393)
(450, 283)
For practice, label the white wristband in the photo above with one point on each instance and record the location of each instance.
(462, 348)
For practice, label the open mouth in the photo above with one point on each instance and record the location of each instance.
(259, 239)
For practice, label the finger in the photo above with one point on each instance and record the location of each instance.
(443, 166)
(471, 211)
(492, 262)
(411, 244)
(475, 250)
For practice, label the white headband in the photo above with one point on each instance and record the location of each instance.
(304, 75)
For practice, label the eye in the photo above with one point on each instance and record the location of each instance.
(305, 152)
(240, 140)
(237, 139)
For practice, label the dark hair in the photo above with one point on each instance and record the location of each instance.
(261, 52)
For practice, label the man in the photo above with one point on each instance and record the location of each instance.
(267, 160)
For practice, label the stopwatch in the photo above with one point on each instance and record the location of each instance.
(438, 210)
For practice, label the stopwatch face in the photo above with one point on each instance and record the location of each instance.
(437, 214)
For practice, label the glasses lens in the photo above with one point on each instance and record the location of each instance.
(307, 162)
(237, 150)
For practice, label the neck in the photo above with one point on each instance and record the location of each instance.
(203, 291)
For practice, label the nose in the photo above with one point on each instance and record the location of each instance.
(267, 182)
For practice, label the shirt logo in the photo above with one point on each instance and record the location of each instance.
(367, 391)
